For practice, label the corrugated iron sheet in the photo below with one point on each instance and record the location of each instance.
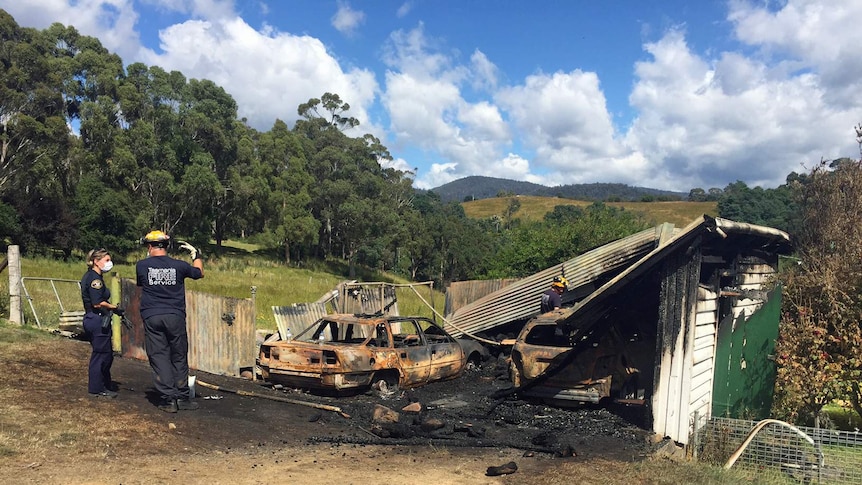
(221, 330)
(221, 333)
(520, 300)
(461, 293)
(297, 317)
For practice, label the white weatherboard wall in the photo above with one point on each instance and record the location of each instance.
(671, 395)
(703, 355)
(687, 367)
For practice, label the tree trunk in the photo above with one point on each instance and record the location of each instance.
(856, 399)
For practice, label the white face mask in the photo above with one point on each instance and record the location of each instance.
(107, 267)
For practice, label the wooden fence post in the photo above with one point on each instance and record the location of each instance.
(116, 321)
(16, 315)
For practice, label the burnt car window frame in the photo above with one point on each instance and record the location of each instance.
(546, 336)
(434, 334)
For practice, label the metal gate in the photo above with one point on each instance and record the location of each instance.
(221, 330)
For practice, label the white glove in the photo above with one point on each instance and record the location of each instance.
(191, 249)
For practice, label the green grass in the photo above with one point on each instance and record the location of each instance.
(534, 208)
(232, 273)
(843, 416)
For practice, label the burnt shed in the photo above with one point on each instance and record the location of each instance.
(707, 296)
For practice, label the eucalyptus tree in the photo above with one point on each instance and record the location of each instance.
(284, 194)
(355, 199)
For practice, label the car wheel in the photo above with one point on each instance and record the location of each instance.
(385, 384)
(474, 362)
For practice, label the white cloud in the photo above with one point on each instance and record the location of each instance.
(818, 35)
(268, 72)
(563, 116)
(438, 174)
(346, 20)
(427, 109)
(710, 122)
(404, 9)
(485, 76)
(398, 164)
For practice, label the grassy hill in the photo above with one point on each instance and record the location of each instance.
(534, 208)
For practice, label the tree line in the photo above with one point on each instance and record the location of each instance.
(93, 153)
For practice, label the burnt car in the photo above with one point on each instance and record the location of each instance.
(343, 352)
(616, 365)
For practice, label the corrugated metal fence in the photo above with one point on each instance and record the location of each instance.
(221, 330)
(297, 317)
(461, 293)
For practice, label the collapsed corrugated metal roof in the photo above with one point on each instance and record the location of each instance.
(585, 273)
(596, 273)
(704, 230)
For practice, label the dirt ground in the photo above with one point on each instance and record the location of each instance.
(54, 432)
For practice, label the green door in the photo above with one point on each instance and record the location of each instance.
(744, 369)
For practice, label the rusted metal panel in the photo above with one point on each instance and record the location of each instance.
(520, 300)
(133, 340)
(297, 317)
(221, 333)
(221, 330)
(461, 293)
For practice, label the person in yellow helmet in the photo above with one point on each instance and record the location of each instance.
(552, 298)
(163, 309)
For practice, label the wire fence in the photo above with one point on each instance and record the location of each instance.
(804, 454)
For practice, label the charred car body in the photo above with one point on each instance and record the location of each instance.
(342, 352)
(614, 362)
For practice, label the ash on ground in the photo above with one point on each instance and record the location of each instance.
(479, 410)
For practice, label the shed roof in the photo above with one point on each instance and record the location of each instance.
(707, 231)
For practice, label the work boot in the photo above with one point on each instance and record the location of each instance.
(168, 405)
(187, 405)
(106, 393)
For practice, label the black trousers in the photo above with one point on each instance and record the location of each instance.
(168, 352)
(99, 370)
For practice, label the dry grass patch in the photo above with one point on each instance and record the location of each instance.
(43, 415)
(534, 208)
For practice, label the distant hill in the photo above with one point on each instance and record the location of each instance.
(477, 187)
(533, 208)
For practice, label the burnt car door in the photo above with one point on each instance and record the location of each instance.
(447, 358)
(413, 352)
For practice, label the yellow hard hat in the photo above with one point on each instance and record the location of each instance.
(156, 238)
(560, 282)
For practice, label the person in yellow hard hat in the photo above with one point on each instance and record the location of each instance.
(552, 298)
(163, 309)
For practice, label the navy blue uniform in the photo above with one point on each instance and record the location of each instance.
(550, 300)
(163, 309)
(93, 291)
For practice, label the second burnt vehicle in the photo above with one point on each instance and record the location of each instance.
(342, 352)
(616, 364)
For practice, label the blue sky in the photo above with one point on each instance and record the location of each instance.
(666, 94)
